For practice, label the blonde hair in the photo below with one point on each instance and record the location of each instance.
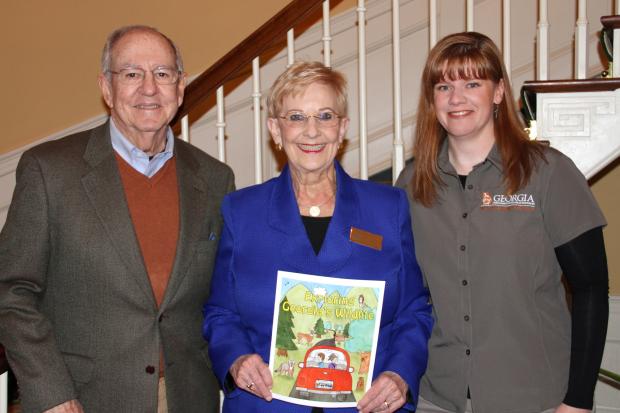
(465, 56)
(296, 79)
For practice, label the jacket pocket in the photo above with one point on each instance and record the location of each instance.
(80, 367)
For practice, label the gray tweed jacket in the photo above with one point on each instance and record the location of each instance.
(77, 313)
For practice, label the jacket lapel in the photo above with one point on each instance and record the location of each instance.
(105, 191)
(284, 217)
(194, 208)
(297, 251)
(336, 249)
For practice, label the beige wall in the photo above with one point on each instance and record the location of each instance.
(50, 61)
(50, 52)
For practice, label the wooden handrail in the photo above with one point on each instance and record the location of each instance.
(225, 69)
(532, 87)
(610, 22)
(571, 85)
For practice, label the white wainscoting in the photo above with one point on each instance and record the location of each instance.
(583, 125)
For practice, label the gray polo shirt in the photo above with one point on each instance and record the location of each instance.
(502, 326)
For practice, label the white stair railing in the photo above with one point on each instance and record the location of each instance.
(398, 143)
(327, 39)
(398, 154)
(581, 39)
(361, 84)
(542, 45)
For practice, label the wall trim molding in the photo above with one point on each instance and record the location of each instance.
(8, 161)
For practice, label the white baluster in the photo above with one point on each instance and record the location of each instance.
(4, 393)
(290, 47)
(616, 51)
(258, 149)
(327, 40)
(615, 67)
(432, 28)
(470, 15)
(220, 125)
(398, 156)
(185, 128)
(542, 50)
(507, 40)
(363, 138)
(581, 41)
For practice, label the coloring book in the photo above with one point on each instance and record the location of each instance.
(324, 338)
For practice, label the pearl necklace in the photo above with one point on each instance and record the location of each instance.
(315, 210)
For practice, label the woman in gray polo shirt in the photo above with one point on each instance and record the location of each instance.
(497, 219)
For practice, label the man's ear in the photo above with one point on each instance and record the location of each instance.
(181, 87)
(106, 89)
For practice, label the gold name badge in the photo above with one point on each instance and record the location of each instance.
(365, 238)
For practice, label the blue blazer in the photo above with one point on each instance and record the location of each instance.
(263, 233)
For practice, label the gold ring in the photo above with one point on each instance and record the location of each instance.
(250, 386)
(387, 405)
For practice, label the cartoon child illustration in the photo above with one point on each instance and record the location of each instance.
(361, 301)
(322, 357)
(333, 361)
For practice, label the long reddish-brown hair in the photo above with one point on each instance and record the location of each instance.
(466, 56)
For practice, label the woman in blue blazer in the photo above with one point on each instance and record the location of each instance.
(303, 221)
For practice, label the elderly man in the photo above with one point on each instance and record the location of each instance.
(107, 251)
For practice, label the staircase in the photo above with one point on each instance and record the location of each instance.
(244, 87)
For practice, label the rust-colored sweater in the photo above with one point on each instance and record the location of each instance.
(154, 209)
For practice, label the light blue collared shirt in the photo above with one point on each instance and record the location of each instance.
(136, 157)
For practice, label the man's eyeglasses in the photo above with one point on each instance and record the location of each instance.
(326, 119)
(135, 76)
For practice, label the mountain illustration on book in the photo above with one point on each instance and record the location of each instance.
(324, 338)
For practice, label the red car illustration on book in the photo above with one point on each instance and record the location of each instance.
(325, 375)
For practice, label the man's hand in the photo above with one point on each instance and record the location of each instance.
(252, 374)
(387, 394)
(72, 406)
(564, 408)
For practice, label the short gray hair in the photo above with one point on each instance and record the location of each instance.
(116, 35)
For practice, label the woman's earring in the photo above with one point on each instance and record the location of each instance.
(495, 110)
(279, 146)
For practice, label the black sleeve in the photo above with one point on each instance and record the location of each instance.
(584, 264)
(229, 384)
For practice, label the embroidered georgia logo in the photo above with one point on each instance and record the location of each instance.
(505, 202)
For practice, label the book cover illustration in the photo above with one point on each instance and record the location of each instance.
(324, 338)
